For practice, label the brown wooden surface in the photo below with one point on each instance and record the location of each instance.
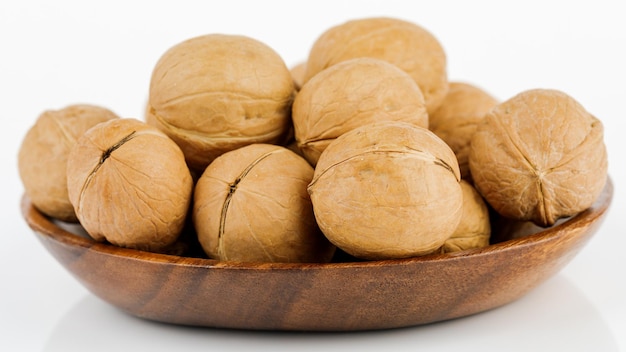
(321, 297)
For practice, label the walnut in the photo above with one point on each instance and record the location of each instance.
(404, 44)
(297, 73)
(217, 92)
(129, 185)
(539, 156)
(387, 190)
(353, 93)
(42, 158)
(456, 119)
(251, 204)
(474, 229)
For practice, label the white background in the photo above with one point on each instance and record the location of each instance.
(56, 53)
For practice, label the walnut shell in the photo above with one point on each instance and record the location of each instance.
(350, 94)
(456, 119)
(42, 157)
(216, 93)
(404, 44)
(251, 204)
(474, 229)
(129, 185)
(539, 156)
(387, 190)
(297, 74)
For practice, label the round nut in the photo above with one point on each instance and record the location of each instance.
(456, 119)
(216, 93)
(539, 156)
(404, 44)
(474, 229)
(387, 190)
(42, 157)
(251, 204)
(350, 94)
(297, 73)
(129, 185)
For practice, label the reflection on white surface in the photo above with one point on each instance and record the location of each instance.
(554, 317)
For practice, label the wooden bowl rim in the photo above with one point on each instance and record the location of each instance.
(43, 225)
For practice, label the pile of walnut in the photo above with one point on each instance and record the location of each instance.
(367, 147)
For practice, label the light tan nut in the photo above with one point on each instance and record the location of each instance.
(42, 158)
(387, 190)
(474, 229)
(251, 204)
(129, 185)
(404, 44)
(539, 156)
(350, 94)
(456, 119)
(217, 92)
(297, 73)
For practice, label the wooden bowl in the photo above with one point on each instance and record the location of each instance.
(340, 296)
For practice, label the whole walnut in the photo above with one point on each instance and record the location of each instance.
(297, 73)
(218, 92)
(387, 190)
(404, 44)
(42, 158)
(129, 185)
(251, 204)
(350, 94)
(539, 156)
(456, 119)
(474, 229)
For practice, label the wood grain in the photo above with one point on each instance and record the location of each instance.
(341, 296)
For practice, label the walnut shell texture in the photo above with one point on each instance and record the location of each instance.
(350, 94)
(539, 156)
(129, 185)
(387, 190)
(297, 73)
(456, 119)
(42, 158)
(474, 229)
(251, 204)
(404, 44)
(218, 92)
